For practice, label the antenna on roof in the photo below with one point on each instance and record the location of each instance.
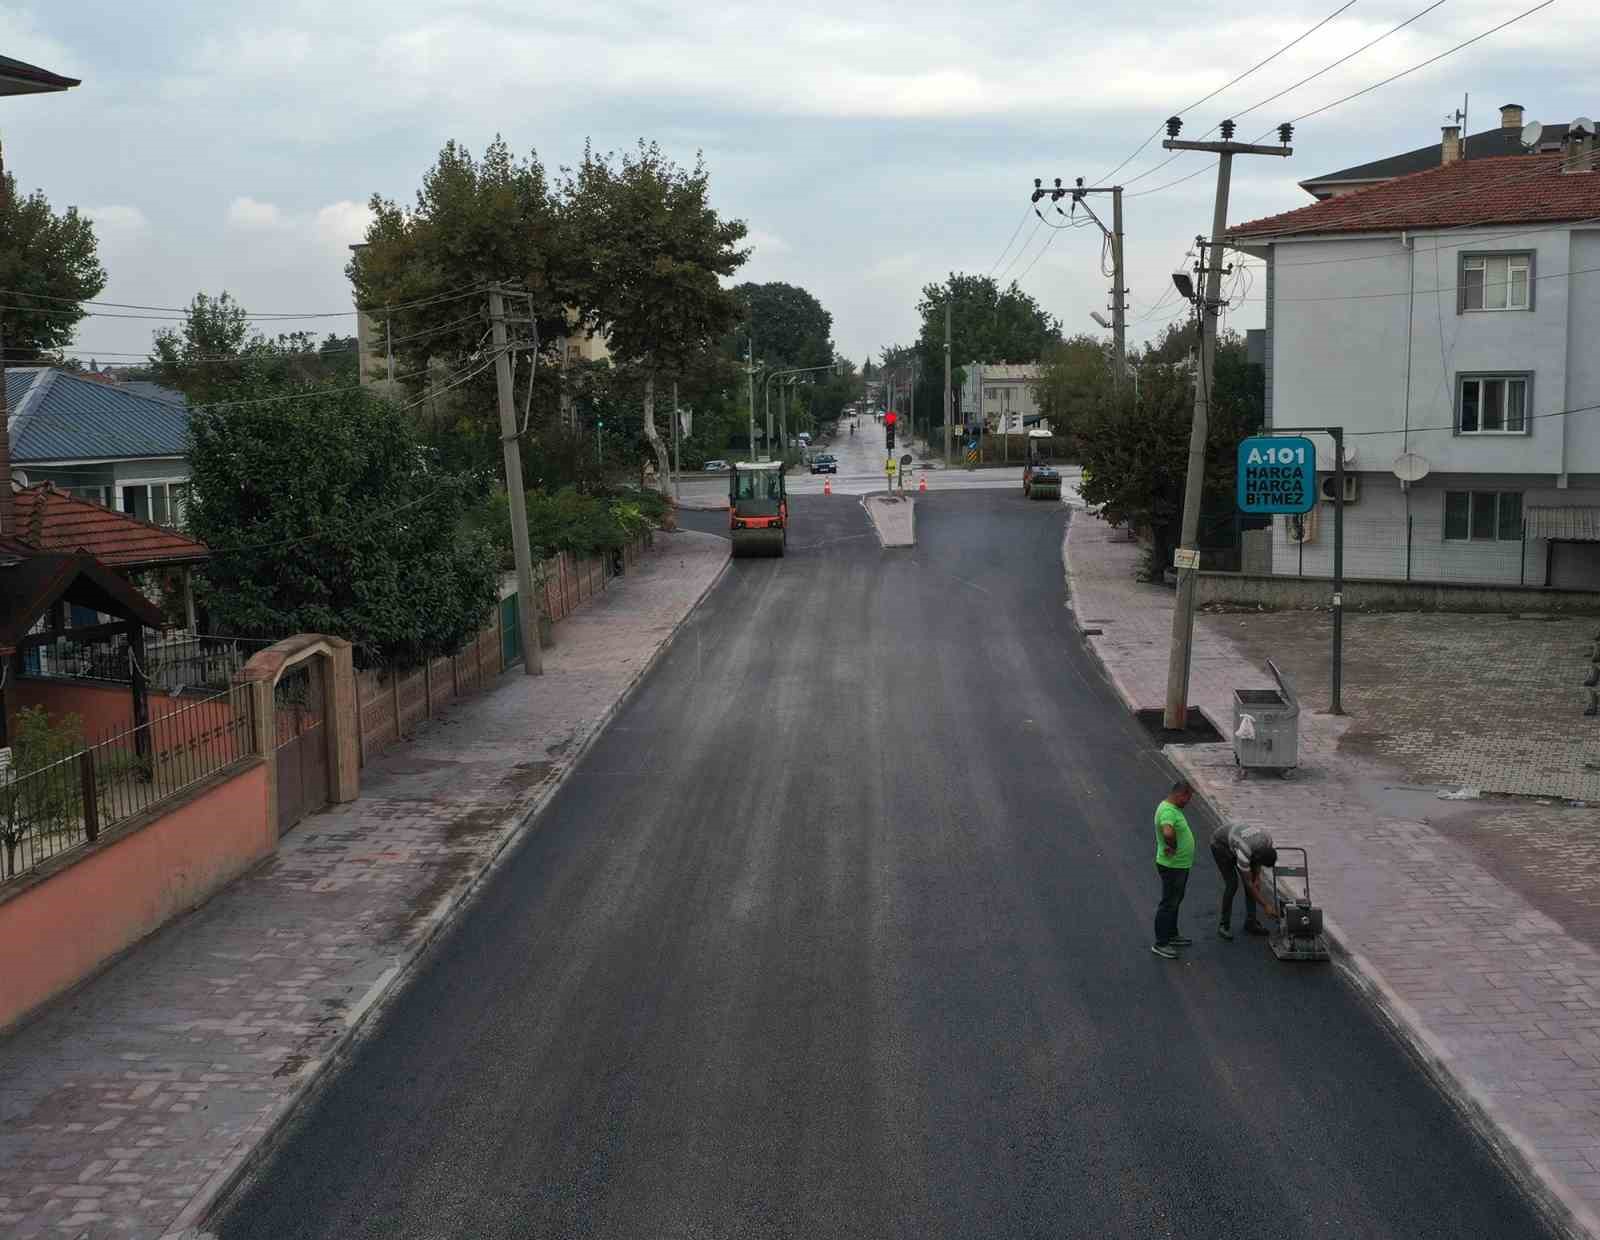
(1531, 133)
(1461, 119)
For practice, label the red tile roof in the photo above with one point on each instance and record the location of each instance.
(1515, 189)
(52, 520)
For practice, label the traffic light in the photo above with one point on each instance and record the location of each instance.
(888, 437)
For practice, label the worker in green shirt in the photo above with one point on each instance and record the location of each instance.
(1174, 860)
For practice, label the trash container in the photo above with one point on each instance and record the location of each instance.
(1266, 727)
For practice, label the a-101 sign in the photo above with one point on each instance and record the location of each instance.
(1277, 474)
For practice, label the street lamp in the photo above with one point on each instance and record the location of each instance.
(1185, 286)
(1100, 319)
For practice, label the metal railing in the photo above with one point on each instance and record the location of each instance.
(69, 802)
(174, 660)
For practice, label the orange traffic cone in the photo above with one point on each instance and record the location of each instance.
(827, 486)
(922, 483)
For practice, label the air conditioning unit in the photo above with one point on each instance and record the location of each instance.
(1301, 527)
(1352, 488)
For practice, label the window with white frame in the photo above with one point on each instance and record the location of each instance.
(1496, 282)
(1482, 516)
(161, 503)
(1492, 405)
(990, 393)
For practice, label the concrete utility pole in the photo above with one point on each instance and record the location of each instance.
(1176, 715)
(527, 602)
(752, 371)
(1119, 283)
(947, 410)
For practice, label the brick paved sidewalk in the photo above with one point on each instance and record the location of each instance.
(127, 1107)
(1499, 999)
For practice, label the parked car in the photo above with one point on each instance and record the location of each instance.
(824, 463)
(716, 466)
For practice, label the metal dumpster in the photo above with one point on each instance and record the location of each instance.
(1266, 727)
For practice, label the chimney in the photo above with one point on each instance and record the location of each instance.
(1450, 148)
(1510, 116)
(1578, 149)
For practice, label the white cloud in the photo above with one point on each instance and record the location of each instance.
(340, 224)
(252, 215)
(116, 222)
(765, 244)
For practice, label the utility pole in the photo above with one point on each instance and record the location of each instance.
(752, 371)
(912, 380)
(527, 602)
(1176, 715)
(1119, 284)
(388, 348)
(947, 410)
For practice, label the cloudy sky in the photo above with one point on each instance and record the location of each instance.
(870, 147)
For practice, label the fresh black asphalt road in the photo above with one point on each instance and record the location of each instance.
(842, 930)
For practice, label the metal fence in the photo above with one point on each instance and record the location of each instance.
(174, 660)
(69, 802)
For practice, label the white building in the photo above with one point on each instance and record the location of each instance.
(1451, 316)
(1001, 397)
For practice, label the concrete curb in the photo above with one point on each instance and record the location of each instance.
(911, 510)
(264, 1136)
(1566, 1214)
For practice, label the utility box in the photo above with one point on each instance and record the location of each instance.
(1266, 727)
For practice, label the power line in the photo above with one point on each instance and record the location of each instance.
(1020, 222)
(185, 311)
(1364, 90)
(1206, 99)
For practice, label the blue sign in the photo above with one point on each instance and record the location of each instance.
(1277, 474)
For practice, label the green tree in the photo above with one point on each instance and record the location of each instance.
(789, 325)
(422, 277)
(655, 251)
(1134, 448)
(324, 514)
(214, 351)
(1075, 381)
(50, 263)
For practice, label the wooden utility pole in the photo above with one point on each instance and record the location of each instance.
(1176, 715)
(527, 602)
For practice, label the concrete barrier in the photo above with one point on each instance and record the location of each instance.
(1277, 593)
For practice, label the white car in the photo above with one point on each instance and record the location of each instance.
(717, 466)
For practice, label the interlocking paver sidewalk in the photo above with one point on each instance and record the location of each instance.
(126, 1108)
(1499, 999)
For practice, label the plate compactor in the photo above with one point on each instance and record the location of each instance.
(1298, 935)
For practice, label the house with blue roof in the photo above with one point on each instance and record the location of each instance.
(124, 449)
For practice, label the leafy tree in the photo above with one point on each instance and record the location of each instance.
(988, 324)
(789, 325)
(1175, 342)
(654, 249)
(1075, 381)
(51, 263)
(214, 351)
(1135, 448)
(475, 220)
(325, 515)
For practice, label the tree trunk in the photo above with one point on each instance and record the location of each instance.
(663, 465)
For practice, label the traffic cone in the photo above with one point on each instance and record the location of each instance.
(922, 484)
(827, 486)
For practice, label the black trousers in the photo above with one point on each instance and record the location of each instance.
(1173, 884)
(1229, 869)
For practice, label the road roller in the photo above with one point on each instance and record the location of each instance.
(1040, 479)
(758, 508)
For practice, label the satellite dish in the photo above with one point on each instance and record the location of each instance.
(1581, 125)
(1410, 467)
(1531, 133)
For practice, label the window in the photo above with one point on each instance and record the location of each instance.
(1496, 282)
(1483, 516)
(990, 393)
(1493, 405)
(161, 503)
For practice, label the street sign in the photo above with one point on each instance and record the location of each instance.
(889, 467)
(1186, 557)
(1277, 473)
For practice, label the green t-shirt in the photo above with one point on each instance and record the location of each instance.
(1182, 856)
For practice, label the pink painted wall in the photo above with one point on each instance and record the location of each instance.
(103, 708)
(61, 927)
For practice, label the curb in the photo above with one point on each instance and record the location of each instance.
(911, 507)
(263, 1137)
(1567, 1215)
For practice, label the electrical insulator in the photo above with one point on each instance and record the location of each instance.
(1285, 132)
(1227, 131)
(1174, 123)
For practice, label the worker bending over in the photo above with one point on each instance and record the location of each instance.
(1241, 853)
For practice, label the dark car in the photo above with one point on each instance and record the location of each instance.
(823, 463)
